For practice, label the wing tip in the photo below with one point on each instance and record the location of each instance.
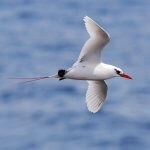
(89, 20)
(94, 110)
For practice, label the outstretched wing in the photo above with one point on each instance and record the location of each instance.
(91, 50)
(96, 94)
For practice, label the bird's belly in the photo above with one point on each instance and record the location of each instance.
(84, 73)
(87, 73)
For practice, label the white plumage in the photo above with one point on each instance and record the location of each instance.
(91, 50)
(90, 67)
(96, 94)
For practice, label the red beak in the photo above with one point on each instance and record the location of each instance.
(125, 75)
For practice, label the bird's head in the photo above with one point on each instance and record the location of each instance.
(119, 73)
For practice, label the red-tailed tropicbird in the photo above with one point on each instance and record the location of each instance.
(89, 66)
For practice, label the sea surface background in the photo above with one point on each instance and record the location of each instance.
(38, 37)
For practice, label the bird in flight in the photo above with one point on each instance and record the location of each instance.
(89, 67)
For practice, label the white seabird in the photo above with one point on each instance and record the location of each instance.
(89, 66)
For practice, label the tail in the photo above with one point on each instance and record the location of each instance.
(35, 78)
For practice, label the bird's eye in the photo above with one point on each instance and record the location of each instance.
(117, 71)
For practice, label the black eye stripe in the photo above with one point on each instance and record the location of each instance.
(117, 71)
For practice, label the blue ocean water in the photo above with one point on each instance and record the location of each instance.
(38, 37)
